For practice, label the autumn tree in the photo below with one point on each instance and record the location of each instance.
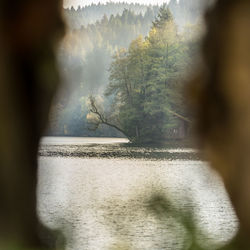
(144, 80)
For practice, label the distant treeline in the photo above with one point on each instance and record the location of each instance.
(94, 12)
(184, 11)
(95, 34)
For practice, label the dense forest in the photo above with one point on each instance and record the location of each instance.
(185, 11)
(145, 84)
(94, 12)
(98, 35)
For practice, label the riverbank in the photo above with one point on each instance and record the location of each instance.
(100, 148)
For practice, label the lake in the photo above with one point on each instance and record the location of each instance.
(104, 193)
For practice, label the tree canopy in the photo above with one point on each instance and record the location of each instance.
(145, 82)
(95, 33)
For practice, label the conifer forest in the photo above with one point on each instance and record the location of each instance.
(124, 70)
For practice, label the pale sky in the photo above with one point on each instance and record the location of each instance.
(76, 3)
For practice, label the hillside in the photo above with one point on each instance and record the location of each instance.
(95, 33)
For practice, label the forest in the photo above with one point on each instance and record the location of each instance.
(100, 38)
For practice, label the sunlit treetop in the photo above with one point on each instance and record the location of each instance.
(164, 16)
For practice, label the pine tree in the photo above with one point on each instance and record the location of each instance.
(153, 65)
(164, 16)
(144, 81)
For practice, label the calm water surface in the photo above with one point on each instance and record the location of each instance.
(99, 192)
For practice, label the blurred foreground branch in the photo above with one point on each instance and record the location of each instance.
(222, 102)
(29, 33)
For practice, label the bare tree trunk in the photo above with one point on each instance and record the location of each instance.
(137, 132)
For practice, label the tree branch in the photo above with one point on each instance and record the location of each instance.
(101, 118)
(178, 115)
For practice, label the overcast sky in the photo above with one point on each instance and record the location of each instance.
(76, 3)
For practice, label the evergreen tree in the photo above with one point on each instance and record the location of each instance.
(163, 17)
(143, 83)
(154, 64)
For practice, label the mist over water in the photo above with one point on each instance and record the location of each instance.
(104, 202)
(105, 193)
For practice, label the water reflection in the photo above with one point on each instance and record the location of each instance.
(105, 202)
